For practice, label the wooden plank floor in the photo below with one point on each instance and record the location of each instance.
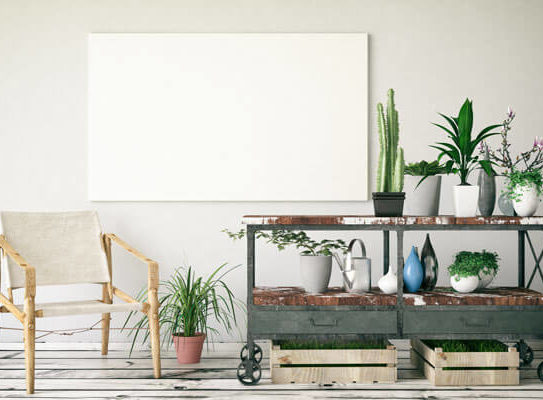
(74, 371)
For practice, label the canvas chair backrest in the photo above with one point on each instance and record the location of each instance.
(64, 247)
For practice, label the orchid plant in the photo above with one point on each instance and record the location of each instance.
(521, 170)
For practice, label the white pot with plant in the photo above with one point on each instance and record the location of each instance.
(422, 188)
(462, 160)
(186, 304)
(473, 270)
(524, 182)
(524, 189)
(315, 257)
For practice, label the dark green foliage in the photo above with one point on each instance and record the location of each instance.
(300, 239)
(425, 168)
(463, 346)
(469, 263)
(187, 302)
(331, 345)
(461, 146)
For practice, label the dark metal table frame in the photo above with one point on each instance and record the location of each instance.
(508, 323)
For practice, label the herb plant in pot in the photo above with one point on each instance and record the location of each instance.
(462, 158)
(389, 199)
(423, 187)
(524, 182)
(473, 270)
(187, 302)
(315, 257)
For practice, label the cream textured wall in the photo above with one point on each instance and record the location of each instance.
(433, 53)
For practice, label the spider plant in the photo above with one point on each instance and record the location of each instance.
(187, 301)
(460, 150)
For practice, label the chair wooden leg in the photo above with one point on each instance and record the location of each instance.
(29, 327)
(106, 318)
(154, 328)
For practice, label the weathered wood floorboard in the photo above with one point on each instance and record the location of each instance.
(68, 371)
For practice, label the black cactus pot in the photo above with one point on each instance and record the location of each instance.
(388, 204)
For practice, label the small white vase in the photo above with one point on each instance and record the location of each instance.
(465, 284)
(466, 198)
(526, 201)
(315, 271)
(388, 283)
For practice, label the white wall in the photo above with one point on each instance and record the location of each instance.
(433, 54)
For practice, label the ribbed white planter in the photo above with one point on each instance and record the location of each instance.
(465, 200)
(424, 199)
(315, 271)
(527, 200)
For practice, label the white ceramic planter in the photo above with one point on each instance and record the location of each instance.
(424, 199)
(465, 284)
(527, 200)
(315, 272)
(465, 200)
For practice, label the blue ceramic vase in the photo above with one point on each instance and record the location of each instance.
(413, 273)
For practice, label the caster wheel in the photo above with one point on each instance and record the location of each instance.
(526, 353)
(257, 353)
(249, 372)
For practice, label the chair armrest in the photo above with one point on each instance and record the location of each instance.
(30, 279)
(30, 271)
(152, 265)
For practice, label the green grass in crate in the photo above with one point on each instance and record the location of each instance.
(331, 345)
(462, 346)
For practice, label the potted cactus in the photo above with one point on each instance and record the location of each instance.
(389, 198)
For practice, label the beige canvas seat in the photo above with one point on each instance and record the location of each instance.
(64, 248)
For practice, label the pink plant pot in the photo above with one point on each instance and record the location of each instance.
(189, 348)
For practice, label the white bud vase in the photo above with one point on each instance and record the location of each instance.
(526, 201)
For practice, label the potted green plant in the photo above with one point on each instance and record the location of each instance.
(522, 172)
(423, 187)
(463, 158)
(473, 270)
(187, 302)
(315, 257)
(389, 198)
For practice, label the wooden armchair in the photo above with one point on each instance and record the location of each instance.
(67, 248)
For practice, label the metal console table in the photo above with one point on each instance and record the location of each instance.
(398, 321)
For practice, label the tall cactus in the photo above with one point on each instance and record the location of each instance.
(391, 166)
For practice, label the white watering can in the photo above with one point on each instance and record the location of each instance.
(356, 270)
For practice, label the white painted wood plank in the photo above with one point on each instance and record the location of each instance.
(233, 384)
(316, 394)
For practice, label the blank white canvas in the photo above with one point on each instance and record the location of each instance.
(256, 117)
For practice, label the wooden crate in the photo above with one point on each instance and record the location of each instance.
(345, 366)
(435, 364)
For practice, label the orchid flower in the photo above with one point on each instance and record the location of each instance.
(538, 142)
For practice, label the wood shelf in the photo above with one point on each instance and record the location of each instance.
(372, 220)
(336, 296)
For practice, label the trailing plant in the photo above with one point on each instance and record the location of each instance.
(461, 148)
(468, 263)
(425, 168)
(462, 346)
(284, 238)
(516, 179)
(187, 302)
(390, 170)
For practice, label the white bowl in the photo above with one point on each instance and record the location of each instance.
(465, 284)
